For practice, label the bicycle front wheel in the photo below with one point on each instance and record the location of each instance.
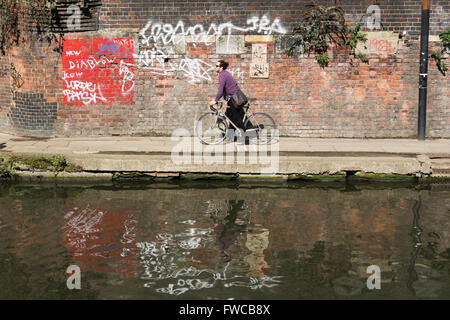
(261, 128)
(210, 128)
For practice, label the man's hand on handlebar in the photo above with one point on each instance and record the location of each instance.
(212, 102)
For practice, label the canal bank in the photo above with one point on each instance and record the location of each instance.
(106, 158)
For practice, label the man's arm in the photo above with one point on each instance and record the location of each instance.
(221, 87)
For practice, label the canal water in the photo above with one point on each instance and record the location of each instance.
(223, 240)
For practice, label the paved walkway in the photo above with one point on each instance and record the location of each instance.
(294, 155)
(85, 145)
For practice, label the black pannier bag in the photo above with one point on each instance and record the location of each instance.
(238, 100)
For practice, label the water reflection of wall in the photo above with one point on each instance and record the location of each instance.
(101, 238)
(191, 257)
(257, 242)
(34, 262)
(320, 234)
(432, 263)
(319, 240)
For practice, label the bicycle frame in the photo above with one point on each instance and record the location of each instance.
(220, 113)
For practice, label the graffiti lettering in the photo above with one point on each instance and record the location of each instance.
(84, 97)
(128, 77)
(167, 34)
(92, 72)
(237, 73)
(159, 37)
(195, 69)
(380, 46)
(90, 63)
(71, 75)
(80, 85)
(16, 77)
(73, 53)
(159, 63)
(110, 48)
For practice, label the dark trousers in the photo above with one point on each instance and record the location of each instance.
(236, 116)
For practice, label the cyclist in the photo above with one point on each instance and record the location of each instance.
(228, 87)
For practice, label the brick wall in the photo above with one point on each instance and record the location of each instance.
(32, 114)
(170, 78)
(5, 92)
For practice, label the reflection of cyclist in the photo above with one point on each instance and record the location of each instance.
(228, 87)
(227, 232)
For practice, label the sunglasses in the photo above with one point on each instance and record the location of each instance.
(217, 66)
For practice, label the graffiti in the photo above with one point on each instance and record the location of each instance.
(73, 53)
(110, 48)
(103, 70)
(90, 63)
(237, 73)
(155, 60)
(195, 69)
(71, 75)
(80, 85)
(98, 71)
(81, 91)
(380, 46)
(160, 37)
(168, 34)
(159, 63)
(128, 77)
(85, 97)
(16, 77)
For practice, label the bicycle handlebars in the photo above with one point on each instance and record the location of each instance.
(214, 109)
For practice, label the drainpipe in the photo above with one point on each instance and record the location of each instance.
(423, 76)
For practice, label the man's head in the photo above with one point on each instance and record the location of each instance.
(221, 65)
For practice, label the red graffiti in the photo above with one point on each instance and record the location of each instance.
(380, 46)
(98, 70)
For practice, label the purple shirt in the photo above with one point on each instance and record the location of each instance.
(227, 85)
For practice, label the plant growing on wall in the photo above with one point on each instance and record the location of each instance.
(9, 19)
(321, 26)
(20, 16)
(444, 46)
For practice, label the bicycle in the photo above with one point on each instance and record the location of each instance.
(212, 127)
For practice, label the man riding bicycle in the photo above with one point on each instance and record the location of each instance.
(228, 87)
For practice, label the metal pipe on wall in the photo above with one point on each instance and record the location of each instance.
(423, 73)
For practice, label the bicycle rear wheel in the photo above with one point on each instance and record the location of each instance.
(210, 128)
(261, 128)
